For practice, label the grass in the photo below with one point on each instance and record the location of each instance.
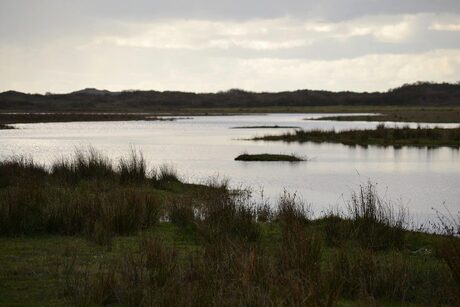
(265, 127)
(382, 136)
(86, 231)
(418, 115)
(269, 157)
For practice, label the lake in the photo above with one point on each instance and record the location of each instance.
(205, 146)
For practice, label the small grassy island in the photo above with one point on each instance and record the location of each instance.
(383, 136)
(85, 232)
(266, 127)
(269, 157)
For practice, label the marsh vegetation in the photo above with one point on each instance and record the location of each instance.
(87, 231)
(418, 115)
(382, 135)
(265, 127)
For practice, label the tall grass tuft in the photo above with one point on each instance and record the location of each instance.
(299, 254)
(224, 215)
(376, 224)
(449, 246)
(78, 196)
(181, 212)
(167, 173)
(20, 170)
(132, 169)
(85, 164)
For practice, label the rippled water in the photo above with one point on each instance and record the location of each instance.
(418, 178)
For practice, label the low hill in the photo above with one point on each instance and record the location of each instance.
(90, 99)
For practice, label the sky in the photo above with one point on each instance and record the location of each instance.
(208, 45)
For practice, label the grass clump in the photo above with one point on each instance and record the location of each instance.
(133, 169)
(369, 221)
(223, 215)
(83, 195)
(449, 246)
(167, 173)
(375, 223)
(85, 164)
(300, 253)
(20, 170)
(269, 157)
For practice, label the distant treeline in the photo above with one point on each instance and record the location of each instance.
(417, 94)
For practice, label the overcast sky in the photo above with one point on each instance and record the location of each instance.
(210, 45)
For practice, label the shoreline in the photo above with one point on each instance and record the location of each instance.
(388, 113)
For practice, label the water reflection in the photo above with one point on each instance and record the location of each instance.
(206, 146)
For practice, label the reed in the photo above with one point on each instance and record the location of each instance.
(381, 136)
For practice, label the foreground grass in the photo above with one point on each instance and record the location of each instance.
(86, 232)
(47, 270)
(383, 136)
(269, 157)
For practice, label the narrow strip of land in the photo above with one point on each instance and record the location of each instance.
(25, 118)
(418, 115)
(383, 136)
(387, 113)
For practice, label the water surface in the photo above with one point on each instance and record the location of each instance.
(418, 178)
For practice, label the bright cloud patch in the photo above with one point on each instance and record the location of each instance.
(363, 51)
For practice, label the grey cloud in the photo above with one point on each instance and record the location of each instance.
(33, 21)
(61, 45)
(337, 10)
